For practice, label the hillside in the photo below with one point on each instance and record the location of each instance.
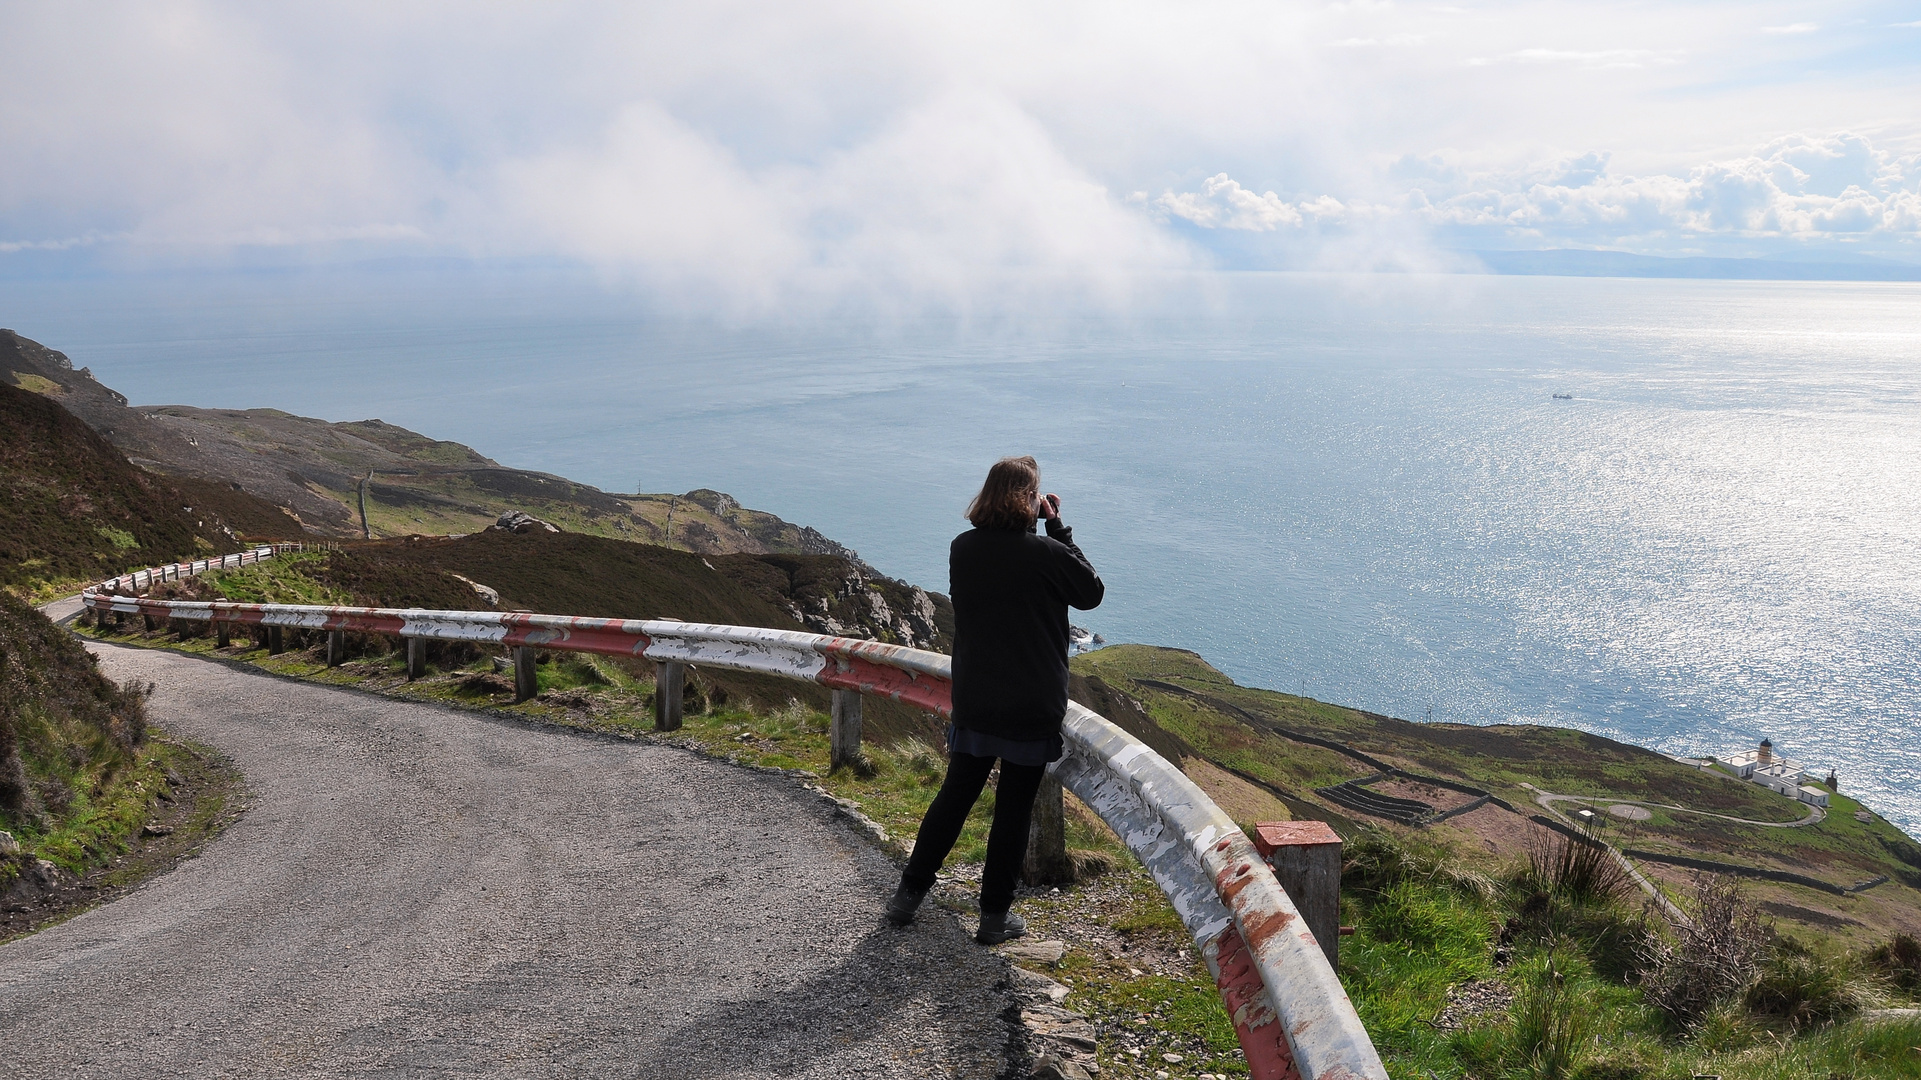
(72, 508)
(572, 574)
(594, 576)
(413, 484)
(1260, 752)
(78, 776)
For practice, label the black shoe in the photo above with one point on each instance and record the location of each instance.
(906, 901)
(999, 927)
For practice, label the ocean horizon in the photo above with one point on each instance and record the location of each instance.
(1681, 513)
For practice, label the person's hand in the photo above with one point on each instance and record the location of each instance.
(1050, 507)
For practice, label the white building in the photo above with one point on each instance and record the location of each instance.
(1763, 766)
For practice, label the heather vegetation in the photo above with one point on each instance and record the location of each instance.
(76, 772)
(76, 510)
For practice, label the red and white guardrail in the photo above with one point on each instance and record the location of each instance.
(1288, 1007)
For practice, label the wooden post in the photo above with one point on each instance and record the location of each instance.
(670, 683)
(1047, 861)
(146, 621)
(416, 658)
(336, 647)
(526, 680)
(276, 641)
(843, 737)
(1306, 857)
(223, 634)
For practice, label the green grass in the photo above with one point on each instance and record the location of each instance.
(77, 773)
(119, 538)
(287, 579)
(110, 810)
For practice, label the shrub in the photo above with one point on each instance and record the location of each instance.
(1375, 860)
(1899, 960)
(1550, 1024)
(1547, 1033)
(1726, 1028)
(1805, 989)
(1569, 893)
(1576, 870)
(1609, 933)
(1714, 957)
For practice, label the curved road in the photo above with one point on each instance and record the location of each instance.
(1814, 816)
(425, 892)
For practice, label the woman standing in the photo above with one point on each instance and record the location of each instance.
(1011, 590)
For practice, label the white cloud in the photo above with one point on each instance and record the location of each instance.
(760, 152)
(1792, 28)
(1224, 204)
(1595, 60)
(1796, 189)
(1395, 41)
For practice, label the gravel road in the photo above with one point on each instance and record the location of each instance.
(427, 892)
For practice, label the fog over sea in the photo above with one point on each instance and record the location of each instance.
(1365, 486)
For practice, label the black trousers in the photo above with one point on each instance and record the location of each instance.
(1006, 841)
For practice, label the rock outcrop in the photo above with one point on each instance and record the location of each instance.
(519, 521)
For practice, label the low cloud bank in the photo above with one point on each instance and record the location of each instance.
(1829, 194)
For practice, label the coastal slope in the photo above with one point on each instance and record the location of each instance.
(325, 473)
(75, 509)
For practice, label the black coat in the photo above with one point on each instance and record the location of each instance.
(1011, 591)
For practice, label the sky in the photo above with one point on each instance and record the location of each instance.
(756, 154)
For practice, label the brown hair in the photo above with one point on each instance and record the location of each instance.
(1006, 500)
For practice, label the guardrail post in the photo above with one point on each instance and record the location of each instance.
(1306, 857)
(1047, 861)
(416, 658)
(276, 641)
(670, 683)
(843, 737)
(222, 634)
(526, 681)
(146, 621)
(336, 647)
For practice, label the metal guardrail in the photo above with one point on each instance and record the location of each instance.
(1288, 1007)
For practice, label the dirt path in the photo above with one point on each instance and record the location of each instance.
(1815, 814)
(1547, 799)
(419, 891)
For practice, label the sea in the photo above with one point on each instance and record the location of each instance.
(1685, 514)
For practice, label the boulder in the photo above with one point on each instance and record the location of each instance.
(520, 521)
(1057, 1067)
(1033, 988)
